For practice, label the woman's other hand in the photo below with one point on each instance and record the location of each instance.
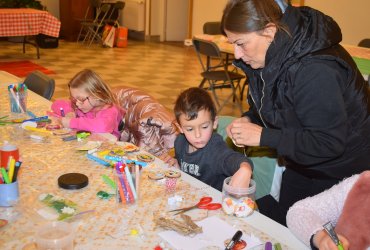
(243, 132)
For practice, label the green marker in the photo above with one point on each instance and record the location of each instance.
(5, 175)
(109, 182)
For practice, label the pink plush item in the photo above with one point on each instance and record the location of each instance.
(148, 124)
(354, 222)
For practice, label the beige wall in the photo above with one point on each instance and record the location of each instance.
(206, 11)
(352, 17)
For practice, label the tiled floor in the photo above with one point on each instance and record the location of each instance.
(162, 69)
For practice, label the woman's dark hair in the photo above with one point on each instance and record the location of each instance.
(242, 16)
(191, 101)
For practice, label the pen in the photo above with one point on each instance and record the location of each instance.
(62, 112)
(237, 236)
(333, 235)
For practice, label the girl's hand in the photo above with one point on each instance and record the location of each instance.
(242, 177)
(243, 132)
(65, 121)
(172, 162)
(323, 241)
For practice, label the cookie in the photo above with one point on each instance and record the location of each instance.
(145, 158)
(156, 175)
(172, 174)
(130, 148)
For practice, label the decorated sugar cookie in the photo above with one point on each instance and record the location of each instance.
(172, 174)
(145, 158)
(156, 175)
(129, 148)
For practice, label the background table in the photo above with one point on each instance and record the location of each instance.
(26, 23)
(361, 55)
(109, 226)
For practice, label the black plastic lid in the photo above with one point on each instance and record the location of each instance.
(73, 181)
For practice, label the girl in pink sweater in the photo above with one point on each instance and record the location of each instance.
(92, 106)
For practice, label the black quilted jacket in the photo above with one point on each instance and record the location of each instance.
(311, 99)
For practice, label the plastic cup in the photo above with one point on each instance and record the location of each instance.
(18, 102)
(238, 201)
(9, 194)
(56, 235)
(126, 188)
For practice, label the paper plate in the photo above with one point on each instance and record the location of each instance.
(89, 145)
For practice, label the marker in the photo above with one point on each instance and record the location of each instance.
(11, 169)
(62, 112)
(130, 182)
(237, 236)
(16, 170)
(5, 175)
(98, 160)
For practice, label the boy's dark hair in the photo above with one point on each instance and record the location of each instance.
(191, 101)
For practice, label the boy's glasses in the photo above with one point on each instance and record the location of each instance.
(82, 101)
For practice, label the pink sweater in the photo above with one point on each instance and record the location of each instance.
(307, 216)
(102, 121)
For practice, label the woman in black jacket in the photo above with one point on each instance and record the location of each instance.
(307, 98)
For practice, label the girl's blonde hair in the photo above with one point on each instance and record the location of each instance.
(92, 83)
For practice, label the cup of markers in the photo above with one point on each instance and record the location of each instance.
(18, 97)
(9, 190)
(127, 183)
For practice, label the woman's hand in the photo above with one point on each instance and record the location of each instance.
(243, 132)
(242, 177)
(323, 241)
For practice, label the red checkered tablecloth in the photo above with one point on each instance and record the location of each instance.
(28, 22)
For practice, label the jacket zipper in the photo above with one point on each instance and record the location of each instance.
(263, 95)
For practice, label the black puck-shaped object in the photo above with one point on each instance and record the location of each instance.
(73, 181)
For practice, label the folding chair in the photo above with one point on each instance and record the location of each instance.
(117, 8)
(94, 4)
(212, 28)
(217, 75)
(40, 83)
(94, 29)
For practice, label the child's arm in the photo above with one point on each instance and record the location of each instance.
(104, 121)
(242, 177)
(171, 161)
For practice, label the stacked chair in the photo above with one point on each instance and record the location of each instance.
(94, 5)
(92, 30)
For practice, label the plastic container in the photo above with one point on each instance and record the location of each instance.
(55, 235)
(239, 202)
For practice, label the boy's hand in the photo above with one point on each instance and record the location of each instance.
(172, 162)
(242, 177)
(323, 241)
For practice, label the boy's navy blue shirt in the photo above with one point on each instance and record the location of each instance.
(211, 164)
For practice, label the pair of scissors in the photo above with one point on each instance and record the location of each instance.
(204, 203)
